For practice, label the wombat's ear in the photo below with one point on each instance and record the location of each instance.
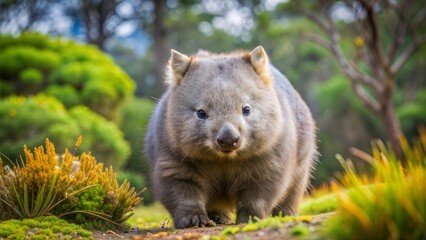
(178, 65)
(259, 60)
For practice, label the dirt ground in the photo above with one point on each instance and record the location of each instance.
(197, 233)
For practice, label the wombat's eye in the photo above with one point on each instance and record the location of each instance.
(246, 110)
(201, 114)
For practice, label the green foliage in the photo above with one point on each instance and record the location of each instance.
(340, 111)
(78, 189)
(66, 94)
(31, 76)
(322, 204)
(138, 181)
(152, 216)
(412, 114)
(50, 227)
(33, 62)
(230, 231)
(102, 137)
(30, 120)
(395, 208)
(300, 230)
(276, 222)
(135, 115)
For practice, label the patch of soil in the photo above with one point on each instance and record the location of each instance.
(196, 233)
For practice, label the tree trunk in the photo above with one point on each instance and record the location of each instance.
(159, 46)
(392, 127)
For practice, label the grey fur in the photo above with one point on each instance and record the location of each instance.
(196, 179)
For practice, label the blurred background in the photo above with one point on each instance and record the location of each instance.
(95, 68)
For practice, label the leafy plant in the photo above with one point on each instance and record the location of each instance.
(78, 189)
(391, 204)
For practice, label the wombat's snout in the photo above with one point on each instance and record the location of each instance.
(228, 138)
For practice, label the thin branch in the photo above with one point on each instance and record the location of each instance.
(366, 98)
(349, 69)
(419, 18)
(311, 16)
(398, 34)
(406, 54)
(334, 47)
(316, 38)
(374, 42)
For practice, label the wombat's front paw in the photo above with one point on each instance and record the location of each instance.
(192, 220)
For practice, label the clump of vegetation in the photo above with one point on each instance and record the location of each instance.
(276, 222)
(319, 204)
(28, 120)
(392, 204)
(48, 227)
(152, 216)
(78, 189)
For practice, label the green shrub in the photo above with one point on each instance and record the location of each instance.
(64, 93)
(77, 189)
(30, 120)
(135, 114)
(102, 137)
(31, 76)
(33, 58)
(393, 206)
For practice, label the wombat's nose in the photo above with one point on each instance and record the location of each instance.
(228, 137)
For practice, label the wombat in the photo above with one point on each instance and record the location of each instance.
(229, 134)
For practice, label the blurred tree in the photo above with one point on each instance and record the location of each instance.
(160, 47)
(376, 61)
(97, 18)
(30, 12)
(74, 73)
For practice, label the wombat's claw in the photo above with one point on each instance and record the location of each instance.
(211, 223)
(217, 219)
(193, 221)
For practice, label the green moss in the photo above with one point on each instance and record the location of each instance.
(230, 231)
(250, 227)
(299, 230)
(30, 222)
(323, 204)
(50, 227)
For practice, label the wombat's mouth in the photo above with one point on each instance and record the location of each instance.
(226, 152)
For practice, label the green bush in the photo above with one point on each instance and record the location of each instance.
(67, 94)
(136, 114)
(30, 120)
(102, 137)
(33, 62)
(31, 76)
